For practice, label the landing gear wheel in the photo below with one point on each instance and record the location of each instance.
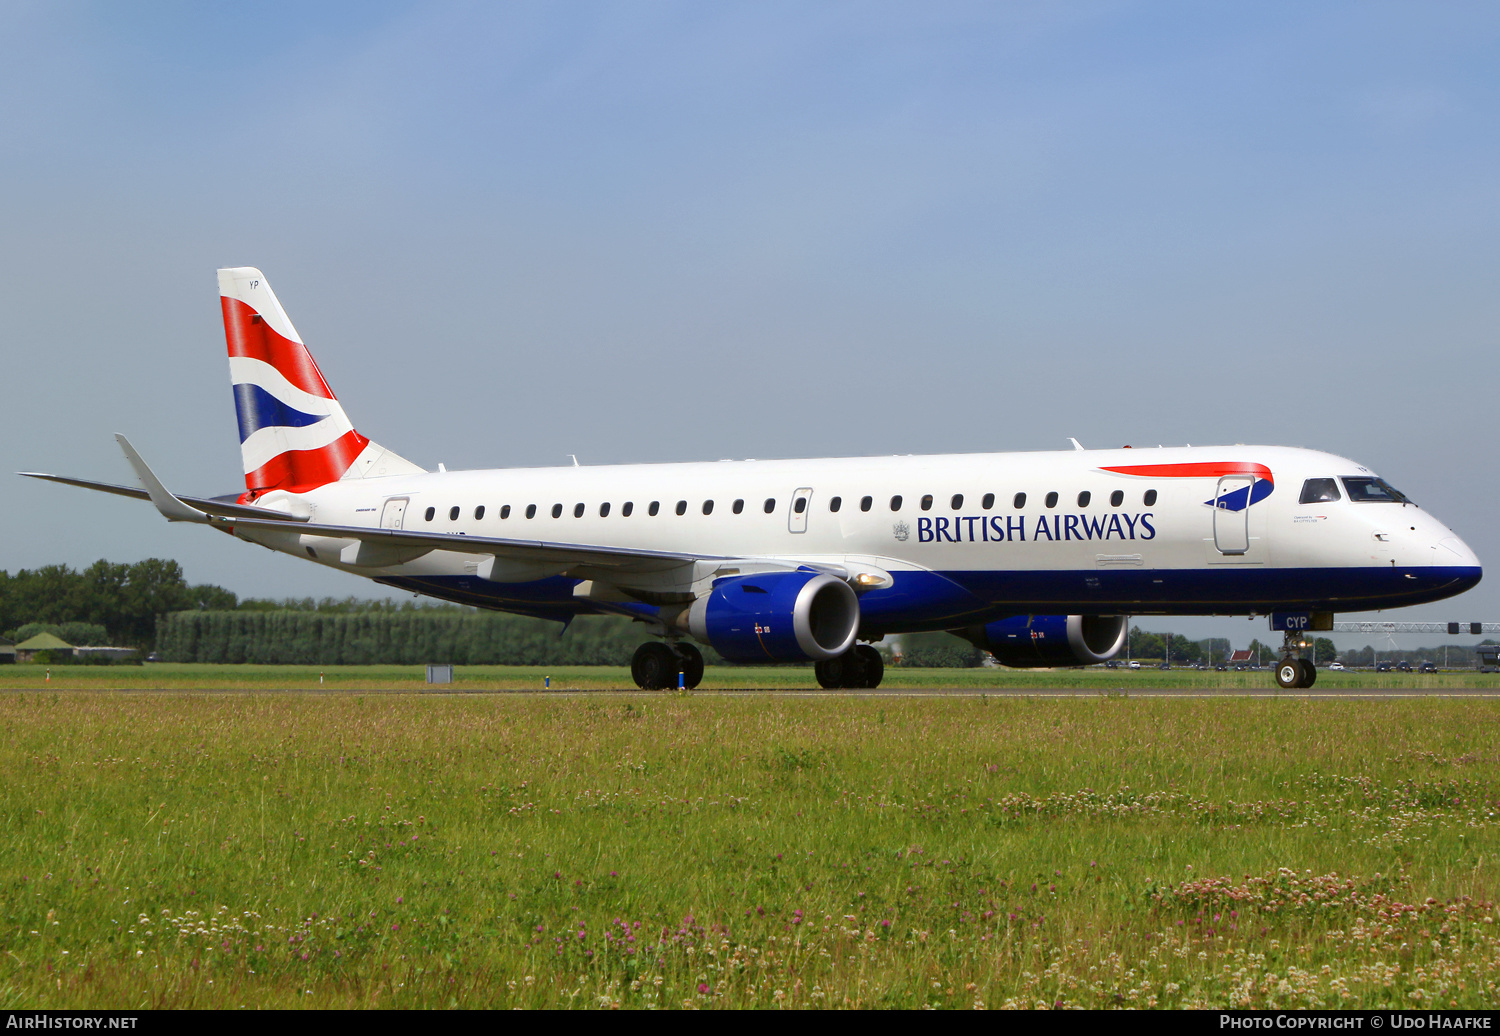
(1289, 674)
(859, 667)
(654, 667)
(832, 672)
(1309, 672)
(873, 665)
(690, 661)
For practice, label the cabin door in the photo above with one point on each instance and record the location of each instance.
(1232, 514)
(394, 513)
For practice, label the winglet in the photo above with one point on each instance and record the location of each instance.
(171, 508)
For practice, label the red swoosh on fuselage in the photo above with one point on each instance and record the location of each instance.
(1196, 469)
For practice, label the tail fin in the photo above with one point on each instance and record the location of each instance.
(294, 435)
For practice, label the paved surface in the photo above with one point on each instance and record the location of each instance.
(1315, 693)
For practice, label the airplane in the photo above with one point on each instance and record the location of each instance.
(1037, 558)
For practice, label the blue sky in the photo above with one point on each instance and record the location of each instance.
(684, 231)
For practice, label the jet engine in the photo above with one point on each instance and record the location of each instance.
(1045, 641)
(777, 617)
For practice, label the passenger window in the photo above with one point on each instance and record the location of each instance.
(557, 510)
(654, 508)
(866, 502)
(988, 501)
(1117, 498)
(505, 512)
(1019, 502)
(1084, 498)
(603, 510)
(895, 503)
(577, 510)
(627, 508)
(739, 506)
(927, 502)
(770, 505)
(1051, 499)
(800, 504)
(479, 512)
(957, 501)
(682, 507)
(708, 507)
(835, 503)
(1150, 497)
(531, 510)
(430, 512)
(453, 514)
(1319, 491)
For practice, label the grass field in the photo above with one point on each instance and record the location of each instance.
(186, 677)
(430, 850)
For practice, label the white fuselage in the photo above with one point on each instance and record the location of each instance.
(962, 542)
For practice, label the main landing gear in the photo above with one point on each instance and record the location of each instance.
(656, 666)
(860, 666)
(1293, 673)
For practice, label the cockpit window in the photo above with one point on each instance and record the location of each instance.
(1319, 491)
(1373, 491)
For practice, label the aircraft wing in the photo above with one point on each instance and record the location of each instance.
(539, 551)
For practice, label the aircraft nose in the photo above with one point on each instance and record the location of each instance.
(1454, 552)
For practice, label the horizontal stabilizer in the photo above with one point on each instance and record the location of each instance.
(218, 508)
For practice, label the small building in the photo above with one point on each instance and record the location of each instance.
(1242, 657)
(7, 652)
(27, 649)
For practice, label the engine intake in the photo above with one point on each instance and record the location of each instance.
(777, 617)
(1045, 641)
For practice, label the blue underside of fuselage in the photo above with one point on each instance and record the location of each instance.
(920, 601)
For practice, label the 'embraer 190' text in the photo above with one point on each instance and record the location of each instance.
(1004, 528)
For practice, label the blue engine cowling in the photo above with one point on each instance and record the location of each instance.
(777, 617)
(1045, 641)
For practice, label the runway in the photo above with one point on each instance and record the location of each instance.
(1312, 694)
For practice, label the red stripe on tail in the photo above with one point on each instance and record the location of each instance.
(297, 471)
(249, 336)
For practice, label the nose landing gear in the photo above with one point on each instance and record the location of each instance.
(1293, 673)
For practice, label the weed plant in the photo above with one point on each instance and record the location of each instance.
(423, 850)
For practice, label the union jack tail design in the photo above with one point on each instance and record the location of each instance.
(294, 435)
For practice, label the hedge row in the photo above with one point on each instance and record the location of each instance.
(393, 638)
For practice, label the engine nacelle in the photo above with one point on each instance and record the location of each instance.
(1045, 641)
(777, 617)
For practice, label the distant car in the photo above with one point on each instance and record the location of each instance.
(1405, 667)
(1427, 667)
(1135, 665)
(1336, 665)
(1165, 665)
(1221, 667)
(1383, 667)
(153, 657)
(1111, 665)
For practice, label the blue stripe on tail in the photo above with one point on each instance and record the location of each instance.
(257, 409)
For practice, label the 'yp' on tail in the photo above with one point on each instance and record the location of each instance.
(294, 435)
